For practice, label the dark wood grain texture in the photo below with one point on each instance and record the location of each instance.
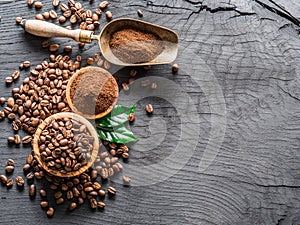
(253, 54)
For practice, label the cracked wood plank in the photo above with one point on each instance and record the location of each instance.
(255, 178)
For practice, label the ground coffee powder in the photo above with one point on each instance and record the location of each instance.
(93, 92)
(134, 46)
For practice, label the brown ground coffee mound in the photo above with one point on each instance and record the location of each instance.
(133, 46)
(92, 92)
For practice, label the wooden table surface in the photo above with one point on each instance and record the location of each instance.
(222, 146)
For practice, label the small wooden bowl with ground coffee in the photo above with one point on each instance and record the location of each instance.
(92, 92)
(65, 144)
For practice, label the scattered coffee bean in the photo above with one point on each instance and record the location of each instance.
(62, 19)
(93, 203)
(126, 180)
(2, 100)
(72, 206)
(111, 190)
(89, 61)
(44, 204)
(131, 117)
(20, 181)
(140, 13)
(26, 64)
(19, 19)
(101, 205)
(15, 75)
(8, 80)
(10, 139)
(149, 109)
(46, 15)
(153, 86)
(3, 179)
(63, 7)
(10, 162)
(30, 2)
(17, 139)
(43, 193)
(9, 183)
(53, 47)
(55, 3)
(27, 139)
(103, 4)
(125, 155)
(32, 191)
(59, 201)
(175, 68)
(68, 48)
(108, 15)
(38, 5)
(52, 14)
(50, 212)
(26, 167)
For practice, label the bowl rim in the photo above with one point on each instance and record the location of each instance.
(68, 92)
(42, 126)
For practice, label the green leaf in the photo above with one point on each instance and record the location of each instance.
(121, 135)
(112, 127)
(117, 117)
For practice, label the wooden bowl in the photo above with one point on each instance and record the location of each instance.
(103, 74)
(43, 125)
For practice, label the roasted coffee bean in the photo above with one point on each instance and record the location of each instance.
(52, 14)
(9, 169)
(30, 2)
(46, 15)
(149, 109)
(63, 7)
(111, 172)
(53, 47)
(44, 204)
(58, 194)
(112, 152)
(95, 17)
(19, 19)
(27, 139)
(101, 205)
(81, 44)
(30, 177)
(50, 212)
(55, 3)
(15, 75)
(8, 80)
(89, 61)
(119, 165)
(29, 159)
(80, 201)
(11, 116)
(88, 189)
(73, 19)
(131, 117)
(103, 4)
(93, 203)
(72, 206)
(3, 179)
(43, 193)
(39, 17)
(125, 87)
(108, 15)
(101, 193)
(10, 162)
(140, 13)
(2, 100)
(69, 195)
(38, 5)
(111, 190)
(17, 139)
(175, 68)
(106, 65)
(104, 173)
(98, 12)
(26, 167)
(59, 201)
(153, 86)
(68, 48)
(26, 64)
(9, 183)
(126, 180)
(32, 191)
(68, 14)
(62, 19)
(20, 181)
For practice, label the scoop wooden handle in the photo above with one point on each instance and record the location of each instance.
(46, 29)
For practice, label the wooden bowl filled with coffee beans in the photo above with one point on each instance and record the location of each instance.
(92, 92)
(65, 144)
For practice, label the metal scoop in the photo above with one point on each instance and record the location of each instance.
(168, 37)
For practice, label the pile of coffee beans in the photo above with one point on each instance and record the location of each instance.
(65, 145)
